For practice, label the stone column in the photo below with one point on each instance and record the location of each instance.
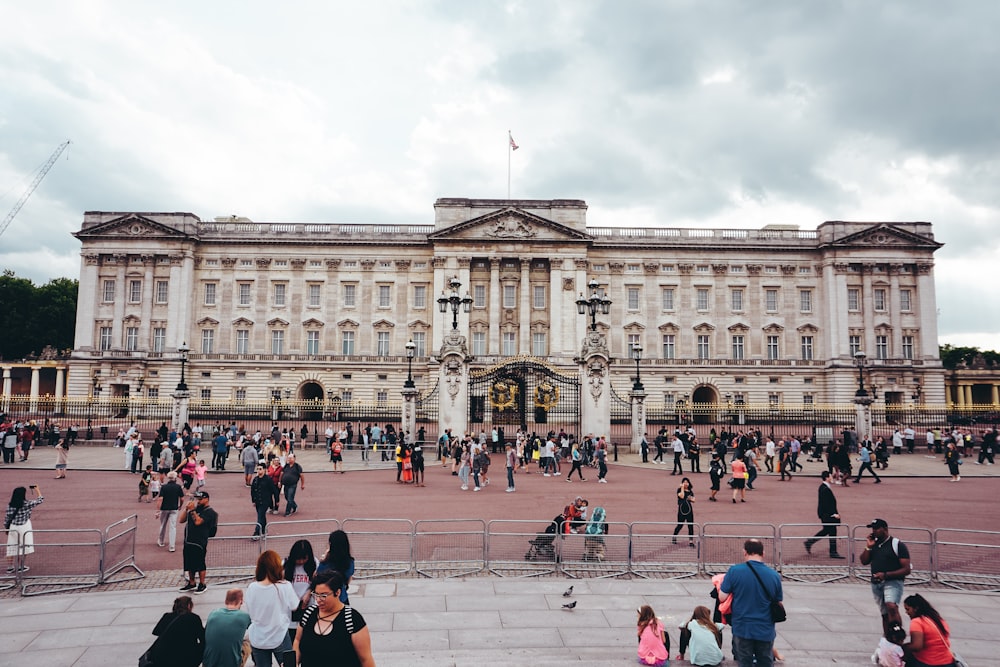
(493, 304)
(638, 400)
(33, 398)
(453, 380)
(409, 411)
(6, 389)
(863, 415)
(994, 395)
(595, 388)
(181, 403)
(524, 315)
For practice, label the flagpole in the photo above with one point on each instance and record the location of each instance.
(509, 151)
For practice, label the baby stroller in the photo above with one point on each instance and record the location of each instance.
(542, 547)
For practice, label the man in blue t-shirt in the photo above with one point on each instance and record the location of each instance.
(753, 629)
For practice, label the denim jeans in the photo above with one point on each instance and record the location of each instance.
(510, 478)
(262, 657)
(290, 503)
(746, 650)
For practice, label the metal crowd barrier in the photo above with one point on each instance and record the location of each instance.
(380, 547)
(919, 542)
(967, 558)
(119, 551)
(449, 547)
(722, 544)
(516, 548)
(281, 536)
(232, 553)
(655, 552)
(817, 567)
(60, 560)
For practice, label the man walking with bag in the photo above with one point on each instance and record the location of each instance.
(757, 598)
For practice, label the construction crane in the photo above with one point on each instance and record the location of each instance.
(31, 188)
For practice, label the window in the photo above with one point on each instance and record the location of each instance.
(633, 340)
(855, 344)
(702, 268)
(539, 346)
(509, 296)
(805, 300)
(207, 341)
(384, 296)
(773, 399)
(538, 296)
(279, 262)
(109, 291)
(159, 339)
(244, 296)
(508, 343)
(350, 295)
(278, 341)
(419, 339)
(633, 268)
(738, 347)
(703, 346)
(346, 396)
(736, 299)
(668, 298)
(246, 262)
(420, 296)
(907, 347)
(162, 290)
(807, 399)
(771, 300)
(773, 351)
(878, 299)
(240, 395)
(382, 344)
(210, 294)
(312, 343)
(807, 348)
(314, 295)
(905, 299)
(669, 346)
(206, 395)
(479, 343)
(881, 347)
(853, 298)
(479, 296)
(702, 298)
(152, 392)
(347, 343)
(134, 291)
(381, 397)
(132, 339)
(242, 341)
(633, 298)
(105, 338)
(279, 293)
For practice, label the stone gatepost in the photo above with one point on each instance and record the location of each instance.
(409, 416)
(595, 390)
(181, 402)
(453, 383)
(638, 401)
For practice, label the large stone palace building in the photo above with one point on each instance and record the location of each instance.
(272, 309)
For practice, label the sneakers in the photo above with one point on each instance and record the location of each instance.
(510, 490)
(465, 488)
(476, 489)
(568, 479)
(23, 568)
(172, 549)
(187, 587)
(602, 481)
(558, 473)
(547, 475)
(10, 570)
(160, 544)
(201, 589)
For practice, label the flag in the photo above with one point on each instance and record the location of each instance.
(513, 145)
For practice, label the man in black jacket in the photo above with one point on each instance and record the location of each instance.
(261, 494)
(828, 516)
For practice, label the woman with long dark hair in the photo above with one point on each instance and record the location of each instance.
(180, 636)
(17, 521)
(332, 633)
(930, 643)
(703, 637)
(685, 510)
(300, 566)
(338, 557)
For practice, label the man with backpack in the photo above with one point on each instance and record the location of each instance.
(201, 522)
(890, 563)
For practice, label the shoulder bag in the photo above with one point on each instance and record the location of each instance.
(778, 614)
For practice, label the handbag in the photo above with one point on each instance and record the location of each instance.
(146, 659)
(778, 614)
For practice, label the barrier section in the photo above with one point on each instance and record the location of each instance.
(449, 547)
(520, 548)
(798, 564)
(380, 547)
(232, 553)
(281, 536)
(657, 554)
(967, 559)
(595, 556)
(917, 540)
(119, 551)
(722, 544)
(60, 560)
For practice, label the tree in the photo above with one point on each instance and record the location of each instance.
(36, 316)
(953, 355)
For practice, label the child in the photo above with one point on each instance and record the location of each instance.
(654, 642)
(715, 472)
(154, 485)
(144, 481)
(199, 473)
(890, 652)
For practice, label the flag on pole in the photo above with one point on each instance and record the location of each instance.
(513, 145)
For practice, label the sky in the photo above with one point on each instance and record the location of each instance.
(660, 113)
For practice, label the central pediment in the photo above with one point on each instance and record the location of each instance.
(134, 225)
(509, 224)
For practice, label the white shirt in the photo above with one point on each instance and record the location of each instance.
(678, 445)
(270, 607)
(769, 447)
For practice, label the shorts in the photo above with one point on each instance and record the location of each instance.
(336, 458)
(201, 482)
(716, 483)
(194, 557)
(418, 466)
(249, 468)
(887, 591)
(60, 466)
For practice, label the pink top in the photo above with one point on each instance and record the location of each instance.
(651, 648)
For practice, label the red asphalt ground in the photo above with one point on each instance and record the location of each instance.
(96, 499)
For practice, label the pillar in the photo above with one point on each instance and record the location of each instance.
(453, 383)
(409, 411)
(595, 389)
(182, 400)
(638, 400)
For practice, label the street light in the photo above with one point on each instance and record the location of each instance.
(859, 361)
(594, 303)
(411, 349)
(455, 301)
(637, 355)
(183, 349)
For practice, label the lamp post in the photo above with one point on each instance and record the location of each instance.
(859, 361)
(411, 349)
(637, 355)
(455, 301)
(593, 304)
(183, 350)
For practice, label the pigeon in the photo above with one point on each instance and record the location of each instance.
(569, 605)
(568, 592)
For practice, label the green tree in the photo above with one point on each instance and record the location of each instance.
(953, 355)
(36, 316)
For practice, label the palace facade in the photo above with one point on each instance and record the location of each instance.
(314, 310)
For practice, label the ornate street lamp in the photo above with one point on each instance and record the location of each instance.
(455, 301)
(183, 349)
(411, 349)
(859, 361)
(594, 304)
(637, 355)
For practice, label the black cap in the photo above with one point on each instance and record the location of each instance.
(878, 523)
(201, 494)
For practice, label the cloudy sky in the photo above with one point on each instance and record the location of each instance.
(662, 113)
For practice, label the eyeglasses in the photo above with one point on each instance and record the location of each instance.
(321, 596)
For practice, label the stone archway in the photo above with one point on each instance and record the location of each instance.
(704, 400)
(310, 396)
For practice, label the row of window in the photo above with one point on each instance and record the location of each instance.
(772, 349)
